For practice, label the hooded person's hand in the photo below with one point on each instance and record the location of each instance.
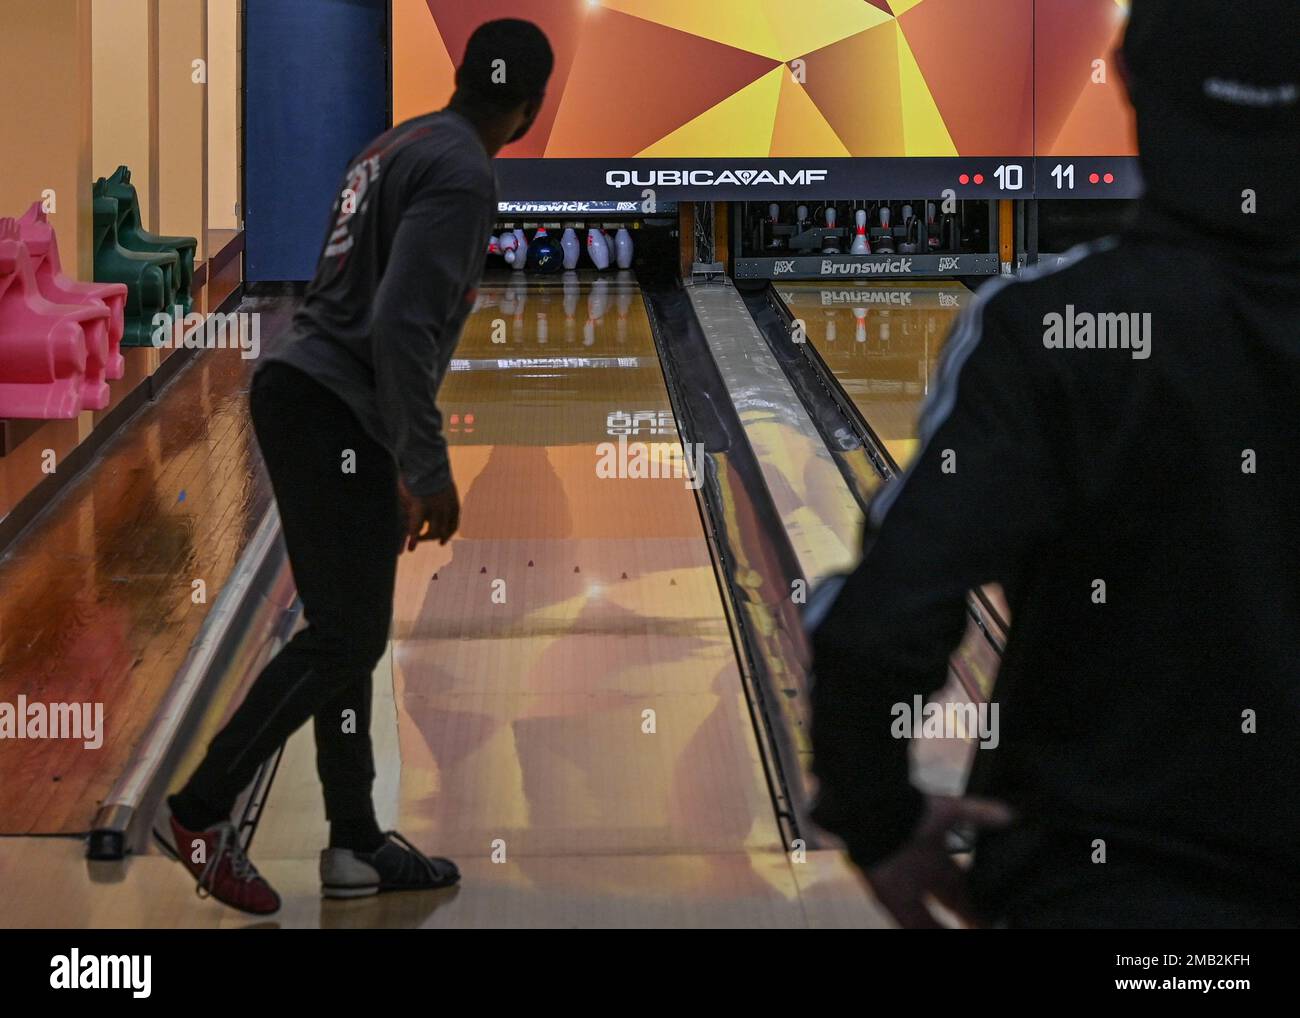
(923, 868)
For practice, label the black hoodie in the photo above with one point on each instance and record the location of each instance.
(1138, 504)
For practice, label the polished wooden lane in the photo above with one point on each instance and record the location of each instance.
(562, 692)
(882, 342)
(95, 597)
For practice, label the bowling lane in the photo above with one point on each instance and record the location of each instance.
(562, 679)
(881, 341)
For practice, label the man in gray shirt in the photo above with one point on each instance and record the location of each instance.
(348, 424)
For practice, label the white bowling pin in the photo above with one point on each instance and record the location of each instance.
(907, 214)
(830, 216)
(509, 244)
(572, 250)
(493, 246)
(884, 217)
(860, 245)
(802, 214)
(597, 249)
(623, 248)
(860, 328)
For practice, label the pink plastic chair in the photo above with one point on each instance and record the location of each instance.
(43, 360)
(56, 287)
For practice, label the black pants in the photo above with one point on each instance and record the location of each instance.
(343, 531)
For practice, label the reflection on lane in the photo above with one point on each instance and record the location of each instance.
(563, 669)
(882, 343)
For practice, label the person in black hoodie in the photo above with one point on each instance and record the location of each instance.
(1135, 497)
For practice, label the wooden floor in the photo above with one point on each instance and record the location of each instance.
(580, 741)
(95, 596)
(581, 745)
(47, 883)
(518, 720)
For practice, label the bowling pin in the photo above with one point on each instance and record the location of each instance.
(493, 246)
(860, 326)
(801, 214)
(830, 244)
(623, 248)
(860, 245)
(572, 250)
(508, 244)
(609, 245)
(886, 243)
(597, 249)
(521, 249)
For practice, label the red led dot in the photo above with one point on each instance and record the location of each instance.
(1093, 178)
(1109, 178)
(964, 179)
(979, 178)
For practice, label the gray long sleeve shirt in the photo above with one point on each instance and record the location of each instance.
(395, 282)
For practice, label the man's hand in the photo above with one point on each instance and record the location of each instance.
(922, 867)
(439, 513)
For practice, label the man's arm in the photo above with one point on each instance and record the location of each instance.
(423, 284)
(983, 494)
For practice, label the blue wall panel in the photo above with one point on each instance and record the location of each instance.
(315, 91)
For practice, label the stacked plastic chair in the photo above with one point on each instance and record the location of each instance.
(52, 355)
(149, 277)
(132, 235)
(56, 287)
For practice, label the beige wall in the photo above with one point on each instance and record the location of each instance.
(182, 113)
(90, 85)
(223, 113)
(122, 126)
(45, 118)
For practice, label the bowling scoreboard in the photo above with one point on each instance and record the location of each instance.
(732, 100)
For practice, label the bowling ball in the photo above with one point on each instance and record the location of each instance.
(545, 257)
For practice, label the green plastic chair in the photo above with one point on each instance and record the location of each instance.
(150, 276)
(134, 237)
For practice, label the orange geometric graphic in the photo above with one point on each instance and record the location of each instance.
(818, 78)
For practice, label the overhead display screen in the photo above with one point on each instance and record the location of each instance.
(759, 99)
